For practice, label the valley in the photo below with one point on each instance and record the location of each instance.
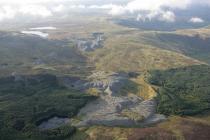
(93, 79)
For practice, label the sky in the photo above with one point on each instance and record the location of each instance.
(147, 10)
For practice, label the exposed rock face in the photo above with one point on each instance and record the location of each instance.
(114, 109)
(88, 45)
(91, 44)
(108, 110)
(109, 83)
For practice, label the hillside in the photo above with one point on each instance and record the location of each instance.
(136, 78)
(192, 45)
(132, 53)
(29, 100)
(183, 91)
(23, 54)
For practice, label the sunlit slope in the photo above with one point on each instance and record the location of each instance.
(132, 49)
(127, 53)
(192, 43)
(176, 128)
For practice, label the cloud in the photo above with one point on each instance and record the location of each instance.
(150, 9)
(196, 20)
(160, 15)
(24, 2)
(168, 16)
(6, 12)
(162, 10)
(138, 5)
(10, 11)
(150, 5)
(58, 8)
(117, 10)
(35, 10)
(78, 6)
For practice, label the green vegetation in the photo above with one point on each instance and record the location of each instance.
(129, 87)
(183, 91)
(59, 133)
(25, 54)
(26, 101)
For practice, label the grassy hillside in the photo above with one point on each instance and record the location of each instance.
(192, 45)
(127, 53)
(28, 100)
(175, 128)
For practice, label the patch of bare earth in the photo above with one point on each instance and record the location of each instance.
(153, 133)
(195, 130)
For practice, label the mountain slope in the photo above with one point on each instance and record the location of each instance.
(194, 46)
(21, 53)
(130, 53)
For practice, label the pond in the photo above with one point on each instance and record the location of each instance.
(38, 33)
(53, 123)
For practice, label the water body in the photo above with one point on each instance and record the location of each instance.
(39, 33)
(53, 123)
(44, 28)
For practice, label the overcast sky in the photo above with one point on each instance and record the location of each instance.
(147, 9)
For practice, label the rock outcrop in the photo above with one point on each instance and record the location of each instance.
(113, 108)
(91, 44)
(109, 111)
(109, 83)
